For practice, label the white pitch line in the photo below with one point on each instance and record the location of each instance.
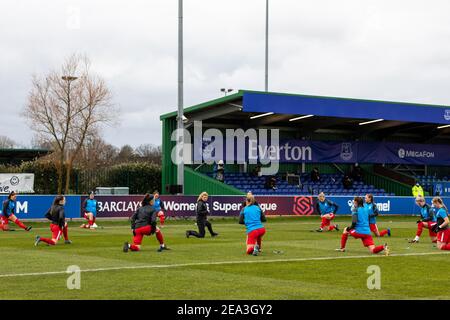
(195, 264)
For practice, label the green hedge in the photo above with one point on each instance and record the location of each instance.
(139, 177)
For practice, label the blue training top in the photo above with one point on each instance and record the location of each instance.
(362, 224)
(427, 213)
(326, 207)
(157, 205)
(90, 205)
(441, 214)
(372, 211)
(252, 218)
(9, 207)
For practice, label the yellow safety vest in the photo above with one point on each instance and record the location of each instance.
(417, 191)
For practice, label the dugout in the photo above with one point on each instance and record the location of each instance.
(388, 135)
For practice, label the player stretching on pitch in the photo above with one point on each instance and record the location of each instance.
(252, 216)
(8, 213)
(58, 226)
(157, 205)
(373, 214)
(143, 223)
(327, 210)
(427, 220)
(90, 209)
(442, 225)
(202, 218)
(360, 228)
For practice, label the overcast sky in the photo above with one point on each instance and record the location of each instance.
(385, 49)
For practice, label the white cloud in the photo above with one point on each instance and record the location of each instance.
(392, 50)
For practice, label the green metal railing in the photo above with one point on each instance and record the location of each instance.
(195, 183)
(389, 185)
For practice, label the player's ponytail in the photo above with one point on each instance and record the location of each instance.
(11, 194)
(251, 199)
(57, 200)
(438, 200)
(147, 200)
(359, 201)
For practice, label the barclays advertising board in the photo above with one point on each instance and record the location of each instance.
(35, 207)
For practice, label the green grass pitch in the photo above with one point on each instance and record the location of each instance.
(295, 264)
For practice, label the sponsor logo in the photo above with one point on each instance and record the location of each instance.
(447, 115)
(14, 180)
(402, 153)
(346, 151)
(381, 206)
(303, 206)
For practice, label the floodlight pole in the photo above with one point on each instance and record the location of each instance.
(266, 75)
(180, 126)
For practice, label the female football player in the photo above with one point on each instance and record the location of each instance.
(90, 208)
(327, 210)
(8, 213)
(157, 205)
(427, 220)
(58, 224)
(442, 224)
(143, 223)
(360, 228)
(373, 213)
(202, 218)
(252, 217)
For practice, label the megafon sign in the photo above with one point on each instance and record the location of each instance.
(402, 154)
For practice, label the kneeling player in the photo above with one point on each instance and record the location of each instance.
(58, 226)
(373, 213)
(427, 220)
(252, 217)
(8, 213)
(90, 209)
(143, 223)
(360, 228)
(327, 210)
(442, 226)
(157, 205)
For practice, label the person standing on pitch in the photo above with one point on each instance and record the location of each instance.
(202, 220)
(8, 213)
(252, 217)
(90, 209)
(417, 190)
(59, 225)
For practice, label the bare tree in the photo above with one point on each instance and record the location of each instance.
(126, 154)
(67, 106)
(149, 152)
(6, 143)
(96, 153)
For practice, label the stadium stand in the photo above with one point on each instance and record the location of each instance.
(427, 182)
(330, 184)
(329, 131)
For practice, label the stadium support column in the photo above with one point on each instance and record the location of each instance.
(180, 127)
